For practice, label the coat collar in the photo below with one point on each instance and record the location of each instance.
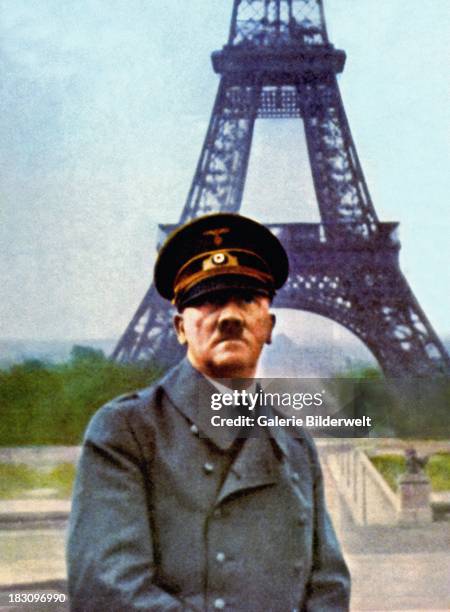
(190, 392)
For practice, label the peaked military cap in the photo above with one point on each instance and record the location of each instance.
(218, 252)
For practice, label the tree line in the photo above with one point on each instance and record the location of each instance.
(45, 403)
(42, 403)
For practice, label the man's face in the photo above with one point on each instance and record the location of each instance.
(225, 332)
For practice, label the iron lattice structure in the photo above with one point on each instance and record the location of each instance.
(279, 63)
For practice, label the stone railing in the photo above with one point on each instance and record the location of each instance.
(368, 496)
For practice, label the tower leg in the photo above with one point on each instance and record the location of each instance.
(218, 185)
(219, 179)
(341, 191)
(378, 307)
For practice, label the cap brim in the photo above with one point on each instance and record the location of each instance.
(227, 282)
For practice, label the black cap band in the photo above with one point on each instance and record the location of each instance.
(230, 282)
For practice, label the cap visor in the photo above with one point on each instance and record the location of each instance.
(228, 282)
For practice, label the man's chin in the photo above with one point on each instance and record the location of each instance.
(229, 364)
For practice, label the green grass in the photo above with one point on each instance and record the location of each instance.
(391, 466)
(18, 481)
(438, 469)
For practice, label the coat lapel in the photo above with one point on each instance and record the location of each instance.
(255, 465)
(190, 392)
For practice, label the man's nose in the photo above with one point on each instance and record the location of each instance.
(231, 320)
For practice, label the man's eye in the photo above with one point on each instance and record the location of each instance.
(248, 299)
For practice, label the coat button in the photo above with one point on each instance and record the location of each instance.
(302, 518)
(194, 429)
(220, 557)
(208, 468)
(298, 565)
(219, 603)
(295, 477)
(217, 513)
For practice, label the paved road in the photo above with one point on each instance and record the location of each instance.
(30, 556)
(393, 568)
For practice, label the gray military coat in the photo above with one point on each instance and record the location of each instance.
(169, 514)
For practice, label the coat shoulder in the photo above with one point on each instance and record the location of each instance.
(124, 412)
(132, 401)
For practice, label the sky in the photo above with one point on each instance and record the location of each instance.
(104, 106)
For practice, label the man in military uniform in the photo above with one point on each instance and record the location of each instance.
(170, 513)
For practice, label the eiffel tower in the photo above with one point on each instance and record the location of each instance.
(278, 63)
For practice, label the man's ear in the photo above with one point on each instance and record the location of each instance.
(273, 320)
(178, 324)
